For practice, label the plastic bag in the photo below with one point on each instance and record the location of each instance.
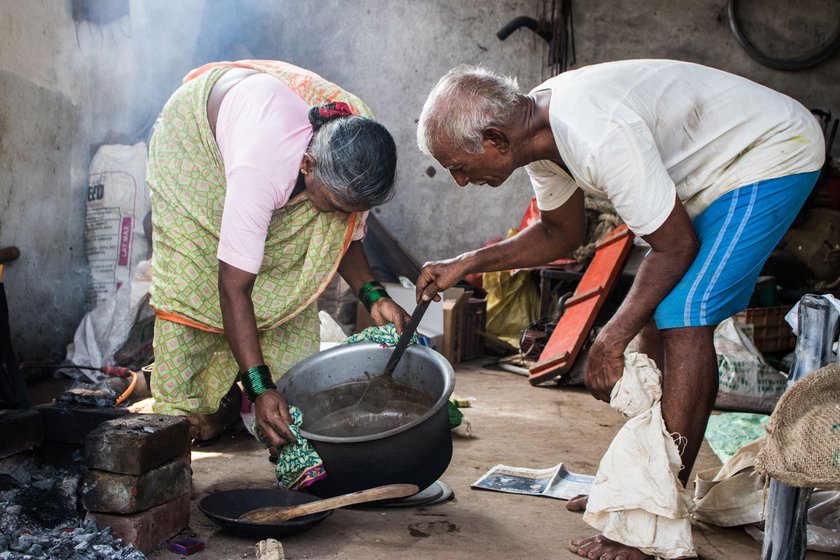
(747, 382)
(823, 530)
(512, 302)
(728, 432)
(117, 203)
(824, 521)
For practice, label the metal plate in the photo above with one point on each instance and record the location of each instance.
(436, 493)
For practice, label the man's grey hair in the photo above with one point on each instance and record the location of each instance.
(464, 102)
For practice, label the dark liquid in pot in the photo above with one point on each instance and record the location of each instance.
(336, 413)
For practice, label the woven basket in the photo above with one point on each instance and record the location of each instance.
(770, 331)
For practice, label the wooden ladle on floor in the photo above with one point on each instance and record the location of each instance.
(380, 388)
(278, 514)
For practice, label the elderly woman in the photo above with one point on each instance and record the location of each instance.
(261, 176)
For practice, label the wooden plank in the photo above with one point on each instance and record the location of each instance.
(578, 298)
(564, 345)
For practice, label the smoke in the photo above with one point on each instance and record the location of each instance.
(124, 65)
(76, 75)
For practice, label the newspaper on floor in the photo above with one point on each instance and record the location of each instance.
(553, 482)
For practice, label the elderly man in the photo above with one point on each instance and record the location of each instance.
(708, 168)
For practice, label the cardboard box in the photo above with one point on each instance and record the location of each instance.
(443, 322)
(454, 304)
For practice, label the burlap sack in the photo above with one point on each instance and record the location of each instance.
(803, 445)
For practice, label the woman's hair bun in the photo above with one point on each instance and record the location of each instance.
(321, 114)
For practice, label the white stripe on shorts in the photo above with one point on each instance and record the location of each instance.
(725, 259)
(733, 204)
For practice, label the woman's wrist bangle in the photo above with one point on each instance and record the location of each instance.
(373, 297)
(369, 287)
(371, 293)
(256, 381)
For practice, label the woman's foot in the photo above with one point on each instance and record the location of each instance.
(602, 548)
(205, 429)
(578, 503)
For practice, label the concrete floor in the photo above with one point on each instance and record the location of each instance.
(511, 423)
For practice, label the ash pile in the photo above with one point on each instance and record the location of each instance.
(40, 518)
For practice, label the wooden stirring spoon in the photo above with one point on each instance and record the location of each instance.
(284, 513)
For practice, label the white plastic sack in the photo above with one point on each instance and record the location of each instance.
(104, 330)
(637, 498)
(735, 495)
(331, 332)
(732, 495)
(117, 203)
(747, 382)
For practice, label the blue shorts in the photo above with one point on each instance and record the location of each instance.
(737, 233)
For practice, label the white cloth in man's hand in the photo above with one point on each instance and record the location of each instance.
(637, 498)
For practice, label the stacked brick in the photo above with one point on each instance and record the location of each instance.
(66, 429)
(21, 432)
(139, 479)
(55, 432)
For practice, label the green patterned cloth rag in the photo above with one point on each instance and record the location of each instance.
(385, 335)
(456, 417)
(298, 464)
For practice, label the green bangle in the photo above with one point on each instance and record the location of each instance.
(371, 297)
(370, 293)
(256, 381)
(369, 287)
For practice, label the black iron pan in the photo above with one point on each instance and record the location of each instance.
(223, 508)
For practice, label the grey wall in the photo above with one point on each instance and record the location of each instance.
(392, 53)
(66, 86)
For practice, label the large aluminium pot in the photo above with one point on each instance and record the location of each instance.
(410, 442)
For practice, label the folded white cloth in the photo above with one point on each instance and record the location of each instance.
(637, 498)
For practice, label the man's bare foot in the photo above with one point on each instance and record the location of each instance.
(578, 503)
(602, 548)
